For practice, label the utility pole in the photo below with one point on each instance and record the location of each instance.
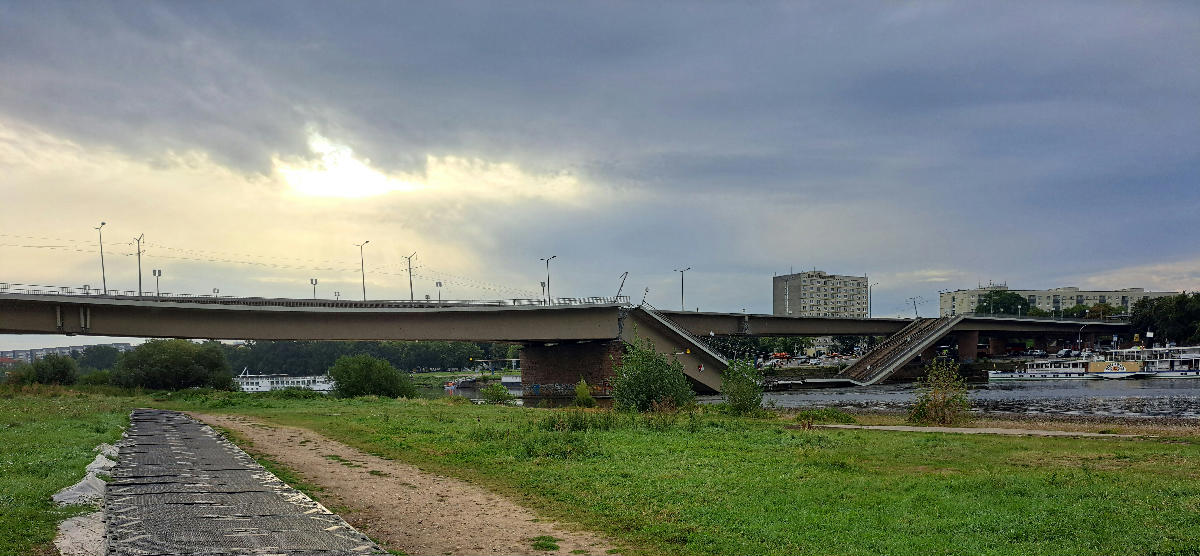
(157, 274)
(914, 303)
(682, 307)
(362, 266)
(103, 276)
(550, 258)
(138, 239)
(313, 281)
(410, 287)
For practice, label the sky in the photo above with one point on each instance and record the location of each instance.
(928, 145)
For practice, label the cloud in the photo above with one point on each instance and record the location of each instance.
(1179, 276)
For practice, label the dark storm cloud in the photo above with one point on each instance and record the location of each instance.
(1001, 133)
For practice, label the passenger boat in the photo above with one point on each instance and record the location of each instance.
(266, 383)
(1170, 362)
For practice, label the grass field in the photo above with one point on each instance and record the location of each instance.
(719, 485)
(46, 439)
(704, 484)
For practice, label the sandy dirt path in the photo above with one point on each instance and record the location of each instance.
(403, 507)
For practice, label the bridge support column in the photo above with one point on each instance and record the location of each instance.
(968, 345)
(553, 370)
(995, 346)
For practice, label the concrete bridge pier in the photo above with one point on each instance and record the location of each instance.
(968, 345)
(552, 369)
(995, 346)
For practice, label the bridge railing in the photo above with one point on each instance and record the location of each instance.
(11, 288)
(1113, 318)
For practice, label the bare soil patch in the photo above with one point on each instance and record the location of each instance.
(403, 507)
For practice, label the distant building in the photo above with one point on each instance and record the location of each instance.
(1053, 300)
(31, 355)
(818, 294)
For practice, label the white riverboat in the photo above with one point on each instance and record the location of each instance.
(266, 383)
(1168, 362)
(1172, 362)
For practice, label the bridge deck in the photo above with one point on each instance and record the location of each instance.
(179, 488)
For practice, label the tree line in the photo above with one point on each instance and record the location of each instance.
(178, 364)
(1173, 318)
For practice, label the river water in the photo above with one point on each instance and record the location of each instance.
(1115, 398)
(1103, 398)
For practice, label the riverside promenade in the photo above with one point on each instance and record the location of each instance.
(180, 488)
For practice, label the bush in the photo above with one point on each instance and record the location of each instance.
(495, 394)
(645, 377)
(96, 378)
(363, 375)
(174, 365)
(741, 386)
(56, 369)
(21, 373)
(942, 399)
(583, 395)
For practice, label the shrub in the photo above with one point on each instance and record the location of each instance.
(942, 398)
(174, 365)
(495, 394)
(21, 373)
(363, 375)
(645, 377)
(583, 395)
(741, 386)
(56, 369)
(96, 378)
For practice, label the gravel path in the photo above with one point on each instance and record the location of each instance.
(403, 507)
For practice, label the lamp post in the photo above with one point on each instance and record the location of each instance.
(313, 281)
(548, 259)
(439, 287)
(103, 276)
(157, 274)
(362, 267)
(682, 307)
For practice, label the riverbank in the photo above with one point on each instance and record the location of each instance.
(707, 483)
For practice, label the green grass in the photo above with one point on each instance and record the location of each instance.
(709, 484)
(724, 485)
(544, 542)
(46, 439)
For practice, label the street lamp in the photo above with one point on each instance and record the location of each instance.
(362, 266)
(439, 287)
(552, 257)
(103, 276)
(681, 305)
(157, 274)
(313, 281)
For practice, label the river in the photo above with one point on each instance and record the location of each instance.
(1105, 398)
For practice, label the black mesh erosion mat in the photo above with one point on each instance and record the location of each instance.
(180, 488)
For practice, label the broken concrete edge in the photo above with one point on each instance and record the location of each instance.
(83, 535)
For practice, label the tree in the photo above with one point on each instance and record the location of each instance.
(1174, 318)
(847, 344)
(364, 375)
(1036, 312)
(645, 378)
(99, 357)
(1076, 312)
(174, 365)
(942, 395)
(56, 369)
(1002, 302)
(741, 386)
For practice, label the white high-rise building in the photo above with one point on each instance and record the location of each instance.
(817, 294)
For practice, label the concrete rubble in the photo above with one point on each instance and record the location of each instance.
(84, 535)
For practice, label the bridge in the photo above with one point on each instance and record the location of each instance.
(563, 340)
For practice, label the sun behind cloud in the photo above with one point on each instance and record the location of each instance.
(335, 172)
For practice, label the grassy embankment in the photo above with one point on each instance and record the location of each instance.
(704, 485)
(46, 439)
(719, 485)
